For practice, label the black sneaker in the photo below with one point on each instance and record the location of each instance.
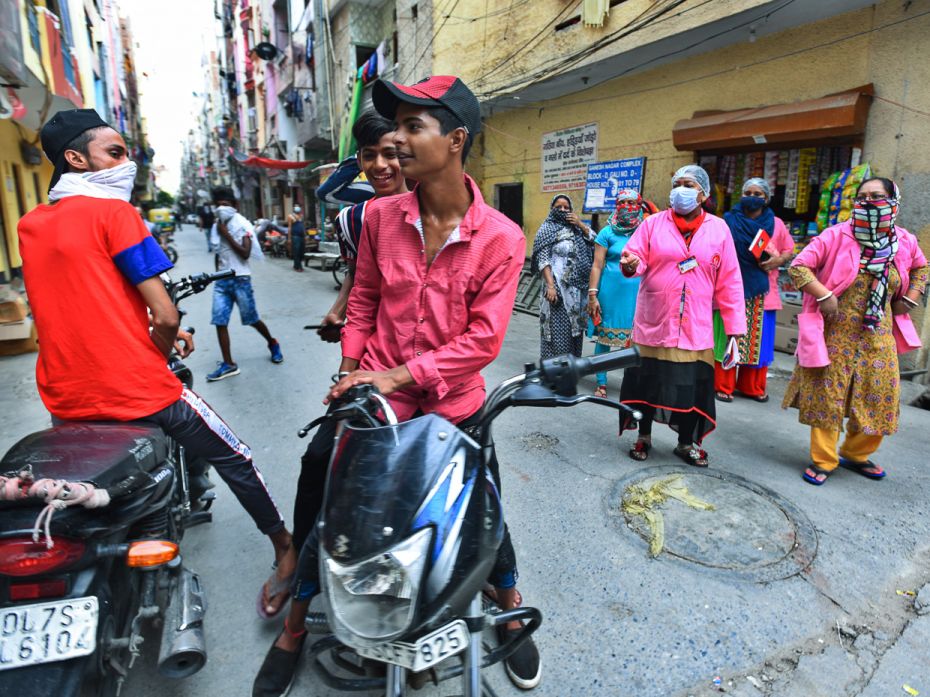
(278, 670)
(523, 667)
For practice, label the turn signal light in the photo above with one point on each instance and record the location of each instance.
(20, 556)
(151, 552)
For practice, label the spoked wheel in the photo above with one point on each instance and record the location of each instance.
(340, 269)
(172, 254)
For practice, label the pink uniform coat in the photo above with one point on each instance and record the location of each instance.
(834, 256)
(674, 309)
(781, 243)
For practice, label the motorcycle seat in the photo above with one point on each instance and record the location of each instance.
(101, 453)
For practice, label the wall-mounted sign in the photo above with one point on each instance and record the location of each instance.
(566, 155)
(605, 179)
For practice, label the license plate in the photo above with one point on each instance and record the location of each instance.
(47, 632)
(426, 652)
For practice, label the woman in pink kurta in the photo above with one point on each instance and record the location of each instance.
(861, 279)
(757, 347)
(687, 264)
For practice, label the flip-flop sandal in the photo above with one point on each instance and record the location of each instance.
(640, 450)
(723, 397)
(696, 457)
(817, 472)
(760, 398)
(276, 586)
(860, 468)
(601, 391)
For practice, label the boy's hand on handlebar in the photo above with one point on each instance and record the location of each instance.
(184, 344)
(387, 381)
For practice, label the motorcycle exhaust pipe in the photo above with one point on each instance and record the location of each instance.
(183, 647)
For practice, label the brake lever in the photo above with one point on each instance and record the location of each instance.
(302, 433)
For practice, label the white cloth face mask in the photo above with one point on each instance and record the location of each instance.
(114, 183)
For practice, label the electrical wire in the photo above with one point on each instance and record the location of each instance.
(655, 19)
(487, 15)
(432, 41)
(718, 73)
(724, 71)
(506, 61)
(525, 46)
(546, 71)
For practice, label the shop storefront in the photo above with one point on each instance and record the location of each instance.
(810, 153)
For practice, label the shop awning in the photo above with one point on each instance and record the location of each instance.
(823, 121)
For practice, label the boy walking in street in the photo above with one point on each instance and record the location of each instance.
(92, 269)
(237, 244)
(435, 282)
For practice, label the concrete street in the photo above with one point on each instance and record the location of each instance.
(783, 589)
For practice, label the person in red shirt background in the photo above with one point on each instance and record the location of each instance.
(91, 271)
(435, 282)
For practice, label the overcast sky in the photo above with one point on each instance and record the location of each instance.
(170, 37)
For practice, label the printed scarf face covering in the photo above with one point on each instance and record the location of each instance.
(873, 228)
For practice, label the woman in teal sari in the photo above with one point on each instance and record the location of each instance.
(611, 295)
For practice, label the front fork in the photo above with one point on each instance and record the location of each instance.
(471, 678)
(396, 685)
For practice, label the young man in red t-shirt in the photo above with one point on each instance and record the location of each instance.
(91, 270)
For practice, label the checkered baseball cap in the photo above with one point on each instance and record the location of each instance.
(445, 91)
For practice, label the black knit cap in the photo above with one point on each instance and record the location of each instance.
(446, 91)
(60, 130)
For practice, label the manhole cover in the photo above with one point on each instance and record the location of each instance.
(752, 533)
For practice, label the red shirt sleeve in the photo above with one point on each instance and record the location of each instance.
(135, 252)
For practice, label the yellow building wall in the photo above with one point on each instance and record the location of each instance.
(636, 114)
(10, 155)
(483, 43)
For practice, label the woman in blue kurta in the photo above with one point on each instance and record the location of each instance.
(611, 295)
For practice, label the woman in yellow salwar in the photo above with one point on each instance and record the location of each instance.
(861, 279)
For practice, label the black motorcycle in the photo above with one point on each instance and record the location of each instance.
(409, 531)
(79, 583)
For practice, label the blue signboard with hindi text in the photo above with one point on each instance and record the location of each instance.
(605, 179)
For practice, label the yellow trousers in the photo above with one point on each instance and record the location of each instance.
(856, 447)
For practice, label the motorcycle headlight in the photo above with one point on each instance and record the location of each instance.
(375, 599)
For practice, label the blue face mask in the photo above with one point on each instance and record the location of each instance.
(683, 200)
(751, 204)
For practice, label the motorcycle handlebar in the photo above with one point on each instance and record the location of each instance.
(563, 372)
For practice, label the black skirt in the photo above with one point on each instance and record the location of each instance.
(675, 390)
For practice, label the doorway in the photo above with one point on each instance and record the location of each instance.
(508, 199)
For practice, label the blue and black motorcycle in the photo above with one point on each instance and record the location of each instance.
(409, 531)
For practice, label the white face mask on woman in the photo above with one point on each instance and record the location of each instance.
(683, 200)
(115, 182)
